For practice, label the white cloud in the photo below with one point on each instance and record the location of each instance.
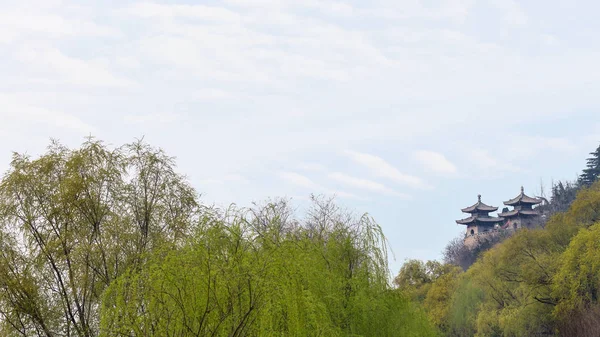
(520, 147)
(435, 162)
(45, 62)
(269, 45)
(209, 94)
(18, 24)
(306, 183)
(452, 10)
(228, 178)
(382, 168)
(365, 184)
(155, 118)
(12, 109)
(549, 39)
(488, 165)
(512, 14)
(312, 167)
(299, 180)
(153, 10)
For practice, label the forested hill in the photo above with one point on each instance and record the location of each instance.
(537, 282)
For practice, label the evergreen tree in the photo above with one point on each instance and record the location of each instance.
(592, 172)
(563, 195)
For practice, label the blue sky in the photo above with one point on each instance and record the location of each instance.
(403, 109)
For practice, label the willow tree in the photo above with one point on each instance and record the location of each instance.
(72, 221)
(262, 272)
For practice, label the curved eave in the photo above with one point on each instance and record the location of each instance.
(487, 220)
(466, 221)
(518, 212)
(479, 207)
(508, 214)
(490, 220)
(523, 199)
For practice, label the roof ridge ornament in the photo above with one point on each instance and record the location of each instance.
(479, 197)
(522, 190)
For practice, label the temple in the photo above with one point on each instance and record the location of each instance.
(480, 221)
(523, 213)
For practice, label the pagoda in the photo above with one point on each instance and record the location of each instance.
(480, 221)
(523, 213)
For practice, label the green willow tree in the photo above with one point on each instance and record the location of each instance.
(73, 221)
(261, 272)
(577, 285)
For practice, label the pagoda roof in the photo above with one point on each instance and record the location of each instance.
(479, 206)
(522, 199)
(475, 218)
(516, 212)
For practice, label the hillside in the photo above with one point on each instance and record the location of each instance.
(536, 282)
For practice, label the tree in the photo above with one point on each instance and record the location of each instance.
(458, 254)
(592, 171)
(415, 277)
(577, 285)
(261, 272)
(439, 296)
(516, 278)
(73, 221)
(464, 307)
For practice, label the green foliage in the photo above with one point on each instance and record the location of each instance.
(540, 282)
(577, 284)
(463, 308)
(72, 221)
(515, 277)
(543, 282)
(439, 295)
(99, 241)
(563, 195)
(415, 277)
(592, 171)
(260, 273)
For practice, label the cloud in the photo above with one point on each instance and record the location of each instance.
(210, 13)
(312, 167)
(18, 24)
(525, 146)
(383, 169)
(69, 69)
(299, 180)
(365, 184)
(306, 183)
(155, 118)
(15, 110)
(209, 94)
(452, 10)
(435, 162)
(270, 45)
(228, 178)
(489, 165)
(549, 39)
(512, 12)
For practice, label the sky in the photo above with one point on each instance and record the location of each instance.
(404, 109)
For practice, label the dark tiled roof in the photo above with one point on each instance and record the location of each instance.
(509, 213)
(490, 219)
(479, 206)
(466, 221)
(473, 219)
(519, 212)
(523, 199)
